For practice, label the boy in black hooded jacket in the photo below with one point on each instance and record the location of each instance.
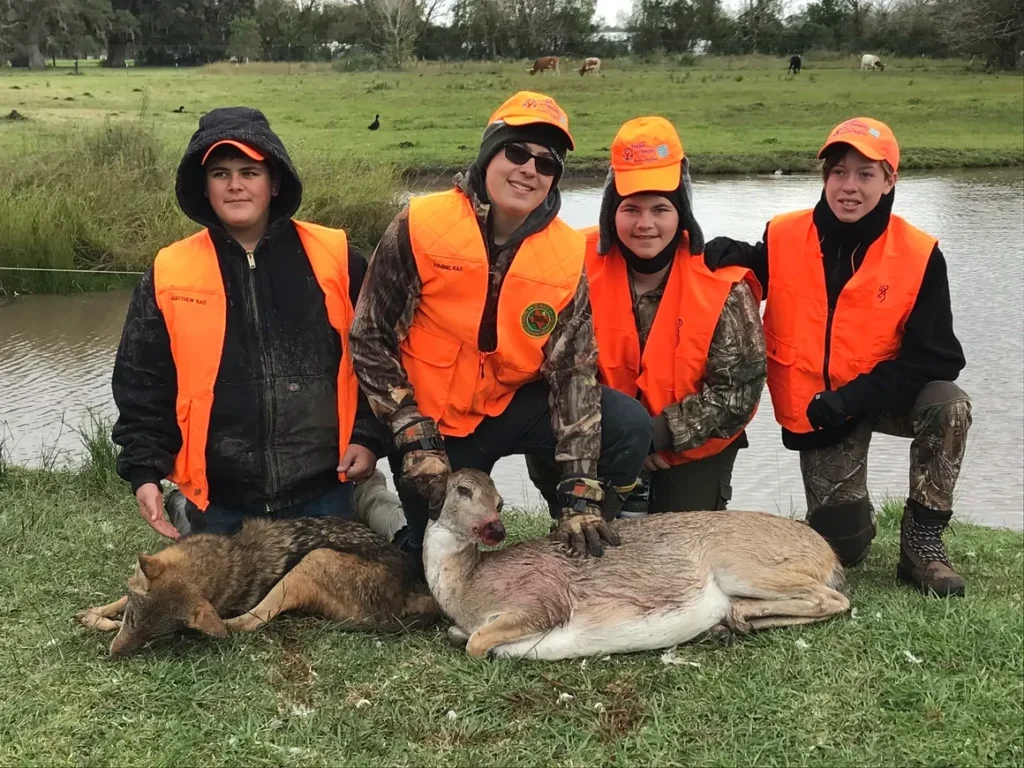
(233, 377)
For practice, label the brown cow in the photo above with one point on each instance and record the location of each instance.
(545, 62)
(590, 64)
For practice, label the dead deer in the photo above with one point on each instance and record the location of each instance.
(674, 577)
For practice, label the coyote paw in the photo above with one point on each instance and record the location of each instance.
(93, 620)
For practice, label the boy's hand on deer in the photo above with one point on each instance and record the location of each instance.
(151, 507)
(581, 528)
(357, 463)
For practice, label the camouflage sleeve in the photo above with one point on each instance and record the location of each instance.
(570, 367)
(733, 379)
(389, 297)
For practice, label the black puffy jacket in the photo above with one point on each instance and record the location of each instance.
(273, 438)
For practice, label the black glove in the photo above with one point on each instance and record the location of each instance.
(425, 466)
(581, 528)
(827, 409)
(723, 252)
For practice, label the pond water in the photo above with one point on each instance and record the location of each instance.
(56, 352)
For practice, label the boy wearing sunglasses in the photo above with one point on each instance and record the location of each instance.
(473, 337)
(686, 342)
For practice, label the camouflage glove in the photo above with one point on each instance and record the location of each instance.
(581, 528)
(425, 466)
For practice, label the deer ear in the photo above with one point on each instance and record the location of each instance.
(204, 618)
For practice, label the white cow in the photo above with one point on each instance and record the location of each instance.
(591, 64)
(870, 61)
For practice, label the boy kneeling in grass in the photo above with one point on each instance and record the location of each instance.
(234, 377)
(859, 335)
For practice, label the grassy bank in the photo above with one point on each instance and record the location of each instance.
(904, 680)
(101, 198)
(89, 184)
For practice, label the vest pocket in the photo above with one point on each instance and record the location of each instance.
(511, 376)
(429, 361)
(778, 350)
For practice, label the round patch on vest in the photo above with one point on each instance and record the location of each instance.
(539, 319)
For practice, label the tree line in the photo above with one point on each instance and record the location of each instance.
(367, 33)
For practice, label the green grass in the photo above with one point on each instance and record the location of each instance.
(292, 693)
(88, 175)
(735, 114)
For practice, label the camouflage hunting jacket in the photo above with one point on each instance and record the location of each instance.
(734, 376)
(388, 302)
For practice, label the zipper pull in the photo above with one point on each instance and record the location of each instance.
(481, 366)
(251, 259)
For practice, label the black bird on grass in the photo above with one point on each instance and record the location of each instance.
(375, 124)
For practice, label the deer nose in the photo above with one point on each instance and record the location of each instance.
(492, 532)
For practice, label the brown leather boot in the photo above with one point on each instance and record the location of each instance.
(923, 559)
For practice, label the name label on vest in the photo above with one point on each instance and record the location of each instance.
(447, 267)
(187, 299)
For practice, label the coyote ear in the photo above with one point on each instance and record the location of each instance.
(204, 618)
(150, 566)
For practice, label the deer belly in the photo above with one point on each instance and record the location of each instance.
(586, 636)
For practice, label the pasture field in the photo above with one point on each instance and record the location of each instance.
(735, 114)
(88, 173)
(902, 680)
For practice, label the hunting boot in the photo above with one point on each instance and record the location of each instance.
(848, 528)
(923, 559)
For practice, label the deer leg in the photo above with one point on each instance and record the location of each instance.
(504, 628)
(100, 616)
(817, 604)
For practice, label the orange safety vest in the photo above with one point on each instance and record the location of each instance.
(811, 350)
(676, 353)
(190, 294)
(455, 383)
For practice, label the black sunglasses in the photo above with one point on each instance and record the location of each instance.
(546, 165)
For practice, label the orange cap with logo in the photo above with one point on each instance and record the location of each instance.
(526, 107)
(244, 148)
(872, 138)
(647, 156)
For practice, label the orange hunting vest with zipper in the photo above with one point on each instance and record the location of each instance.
(811, 349)
(455, 383)
(190, 294)
(672, 365)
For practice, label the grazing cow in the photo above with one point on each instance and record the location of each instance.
(591, 64)
(870, 61)
(545, 62)
(794, 64)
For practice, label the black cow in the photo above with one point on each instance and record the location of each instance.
(794, 64)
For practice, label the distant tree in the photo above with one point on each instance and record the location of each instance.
(244, 41)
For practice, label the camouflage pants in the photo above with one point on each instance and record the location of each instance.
(938, 423)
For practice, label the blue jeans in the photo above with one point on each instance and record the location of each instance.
(337, 502)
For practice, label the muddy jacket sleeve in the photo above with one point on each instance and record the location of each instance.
(930, 351)
(367, 430)
(390, 295)
(733, 380)
(570, 368)
(145, 390)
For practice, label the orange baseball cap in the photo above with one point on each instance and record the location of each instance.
(526, 107)
(647, 156)
(872, 138)
(245, 148)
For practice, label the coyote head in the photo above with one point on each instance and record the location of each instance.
(162, 601)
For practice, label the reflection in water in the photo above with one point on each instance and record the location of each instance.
(56, 352)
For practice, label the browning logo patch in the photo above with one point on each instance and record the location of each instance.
(539, 319)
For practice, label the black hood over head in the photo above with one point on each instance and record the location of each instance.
(248, 126)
